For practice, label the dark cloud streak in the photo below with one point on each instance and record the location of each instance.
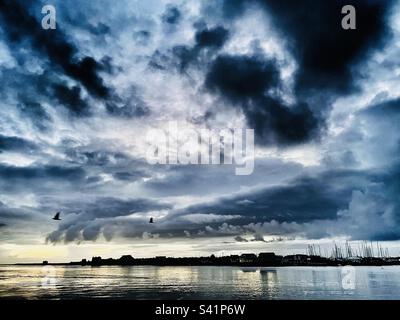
(325, 52)
(16, 144)
(20, 25)
(245, 82)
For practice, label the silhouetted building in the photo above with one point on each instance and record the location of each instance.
(296, 259)
(247, 258)
(392, 260)
(318, 260)
(127, 260)
(267, 257)
(96, 261)
(161, 258)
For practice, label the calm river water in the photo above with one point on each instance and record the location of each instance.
(149, 282)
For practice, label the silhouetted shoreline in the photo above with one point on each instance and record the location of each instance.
(264, 259)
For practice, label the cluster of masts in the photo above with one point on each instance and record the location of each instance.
(360, 250)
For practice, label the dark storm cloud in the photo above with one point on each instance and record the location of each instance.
(159, 60)
(101, 158)
(134, 107)
(207, 42)
(36, 113)
(87, 220)
(305, 199)
(245, 82)
(293, 199)
(86, 71)
(76, 15)
(275, 122)
(214, 37)
(185, 56)
(372, 214)
(195, 180)
(386, 110)
(28, 101)
(361, 205)
(129, 105)
(109, 207)
(14, 144)
(326, 55)
(65, 59)
(129, 175)
(100, 29)
(14, 215)
(172, 15)
(87, 156)
(241, 77)
(78, 19)
(21, 26)
(71, 98)
(122, 167)
(8, 173)
(325, 52)
(7, 213)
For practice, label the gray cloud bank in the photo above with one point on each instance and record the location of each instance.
(75, 102)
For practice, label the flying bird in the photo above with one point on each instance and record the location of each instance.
(151, 220)
(57, 216)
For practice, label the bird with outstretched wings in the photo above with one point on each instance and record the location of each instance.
(57, 216)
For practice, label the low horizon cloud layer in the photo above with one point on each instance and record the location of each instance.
(76, 101)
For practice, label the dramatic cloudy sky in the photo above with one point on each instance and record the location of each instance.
(75, 104)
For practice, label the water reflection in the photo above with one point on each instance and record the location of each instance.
(148, 282)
